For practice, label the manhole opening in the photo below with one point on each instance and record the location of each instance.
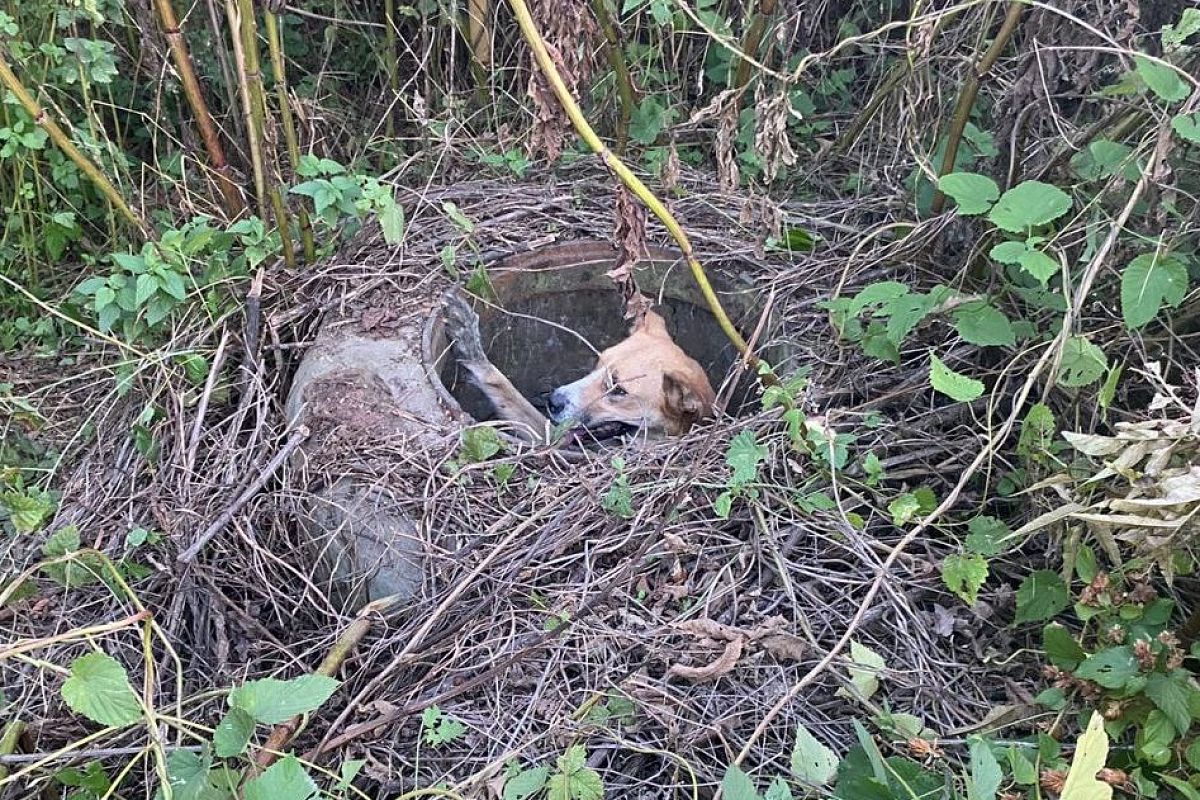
(553, 306)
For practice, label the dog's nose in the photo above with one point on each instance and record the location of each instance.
(556, 403)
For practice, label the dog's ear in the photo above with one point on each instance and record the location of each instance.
(650, 322)
(682, 403)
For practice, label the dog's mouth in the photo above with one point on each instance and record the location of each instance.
(599, 432)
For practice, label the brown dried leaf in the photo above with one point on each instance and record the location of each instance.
(630, 235)
(570, 35)
(784, 646)
(1091, 445)
(771, 140)
(669, 174)
(723, 665)
(711, 629)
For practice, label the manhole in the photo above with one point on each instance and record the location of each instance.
(555, 308)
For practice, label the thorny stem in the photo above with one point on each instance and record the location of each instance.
(970, 89)
(232, 199)
(63, 142)
(632, 182)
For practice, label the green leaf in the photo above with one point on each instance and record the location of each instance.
(82, 570)
(190, 776)
(1185, 789)
(479, 443)
(28, 510)
(1100, 159)
(526, 783)
(1039, 265)
(1082, 363)
(271, 701)
(458, 217)
(983, 325)
(1061, 648)
(1170, 693)
(92, 777)
(1187, 126)
(391, 222)
(147, 285)
(1041, 595)
(1192, 754)
(1110, 668)
(1154, 739)
(973, 193)
(233, 733)
(1037, 432)
(1173, 36)
(1023, 770)
(1009, 252)
(985, 771)
(986, 536)
(1029, 204)
(736, 785)
(172, 283)
(286, 779)
(743, 456)
(439, 728)
(965, 575)
(904, 508)
(1091, 754)
(1151, 280)
(864, 674)
(905, 313)
(1162, 79)
(723, 505)
(950, 383)
(812, 761)
(778, 790)
(99, 689)
(574, 779)
(648, 120)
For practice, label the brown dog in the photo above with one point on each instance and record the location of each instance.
(644, 385)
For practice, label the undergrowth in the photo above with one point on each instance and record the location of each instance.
(1055, 315)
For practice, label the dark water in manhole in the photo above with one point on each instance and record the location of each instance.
(541, 341)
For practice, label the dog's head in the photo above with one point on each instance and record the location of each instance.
(644, 384)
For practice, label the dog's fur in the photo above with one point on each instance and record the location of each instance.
(645, 384)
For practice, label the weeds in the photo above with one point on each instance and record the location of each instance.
(1065, 144)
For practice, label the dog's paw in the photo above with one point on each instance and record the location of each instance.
(462, 326)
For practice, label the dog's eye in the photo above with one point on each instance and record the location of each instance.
(617, 391)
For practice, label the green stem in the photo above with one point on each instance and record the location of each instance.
(245, 57)
(616, 60)
(63, 142)
(970, 89)
(275, 44)
(632, 182)
(752, 40)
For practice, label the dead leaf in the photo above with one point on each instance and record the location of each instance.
(630, 235)
(772, 143)
(710, 629)
(724, 664)
(784, 646)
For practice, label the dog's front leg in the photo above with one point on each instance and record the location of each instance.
(462, 324)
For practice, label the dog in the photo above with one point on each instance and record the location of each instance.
(645, 385)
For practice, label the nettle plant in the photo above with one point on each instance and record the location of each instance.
(341, 196)
(191, 264)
